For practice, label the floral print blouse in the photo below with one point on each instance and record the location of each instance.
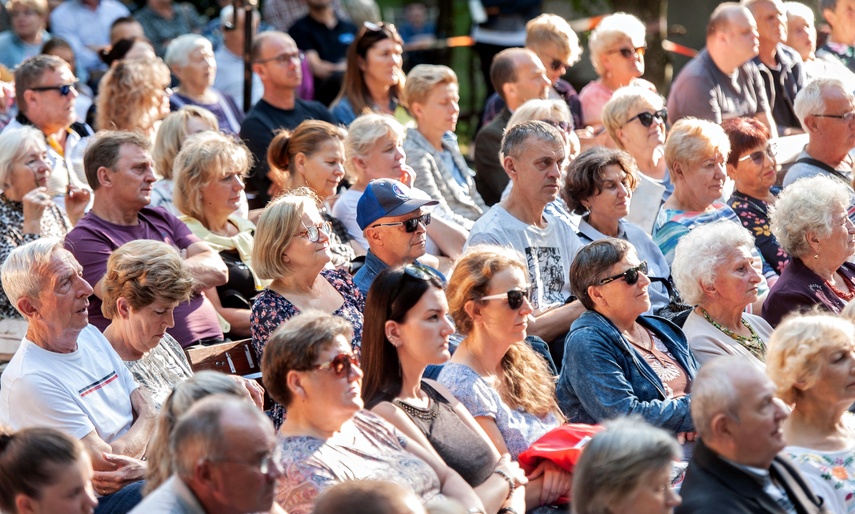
(830, 475)
(754, 215)
(271, 309)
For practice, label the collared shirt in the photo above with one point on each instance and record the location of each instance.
(372, 267)
(171, 497)
(71, 16)
(14, 50)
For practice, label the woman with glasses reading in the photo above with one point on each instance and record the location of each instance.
(618, 361)
(407, 329)
(752, 166)
(503, 383)
(292, 250)
(309, 367)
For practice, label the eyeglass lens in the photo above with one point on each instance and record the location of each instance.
(412, 224)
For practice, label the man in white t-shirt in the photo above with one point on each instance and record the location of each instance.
(533, 156)
(66, 375)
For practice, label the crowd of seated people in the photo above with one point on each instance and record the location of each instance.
(612, 301)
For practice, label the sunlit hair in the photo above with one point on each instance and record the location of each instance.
(185, 394)
(584, 178)
(745, 133)
(173, 132)
(26, 270)
(295, 346)
(179, 50)
(722, 16)
(551, 29)
(204, 158)
(143, 272)
(470, 281)
(423, 78)
(691, 140)
(617, 461)
(29, 73)
(609, 31)
(363, 134)
(353, 86)
(40, 6)
(538, 110)
(795, 360)
(130, 94)
(277, 226)
(383, 496)
(807, 205)
(14, 144)
(33, 459)
(701, 253)
(714, 391)
(591, 264)
(623, 103)
(104, 149)
(810, 99)
(391, 297)
(306, 139)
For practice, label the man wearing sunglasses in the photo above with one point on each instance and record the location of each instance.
(533, 157)
(394, 221)
(722, 81)
(46, 92)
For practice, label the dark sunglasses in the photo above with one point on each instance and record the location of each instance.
(410, 226)
(631, 275)
(340, 365)
(515, 297)
(630, 52)
(646, 118)
(314, 232)
(557, 64)
(758, 156)
(64, 90)
(560, 125)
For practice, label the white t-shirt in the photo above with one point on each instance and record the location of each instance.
(547, 251)
(87, 389)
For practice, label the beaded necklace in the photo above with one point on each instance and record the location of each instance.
(753, 343)
(846, 296)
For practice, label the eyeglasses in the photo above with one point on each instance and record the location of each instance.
(560, 125)
(64, 89)
(267, 464)
(283, 58)
(847, 118)
(515, 297)
(631, 275)
(557, 64)
(628, 53)
(646, 118)
(758, 156)
(313, 232)
(341, 364)
(410, 226)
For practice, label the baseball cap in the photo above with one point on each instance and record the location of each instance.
(386, 197)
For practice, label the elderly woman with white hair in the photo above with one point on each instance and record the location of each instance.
(801, 37)
(712, 269)
(811, 223)
(812, 361)
(625, 469)
(191, 58)
(27, 211)
(617, 47)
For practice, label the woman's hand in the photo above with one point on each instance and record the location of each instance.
(555, 482)
(512, 469)
(76, 200)
(35, 203)
(686, 437)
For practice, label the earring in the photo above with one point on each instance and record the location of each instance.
(816, 256)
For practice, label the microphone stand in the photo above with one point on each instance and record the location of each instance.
(247, 6)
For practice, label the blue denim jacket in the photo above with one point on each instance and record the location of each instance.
(603, 377)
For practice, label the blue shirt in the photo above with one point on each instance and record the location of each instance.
(372, 267)
(14, 51)
(83, 27)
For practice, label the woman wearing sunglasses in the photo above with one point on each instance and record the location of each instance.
(406, 330)
(752, 166)
(504, 384)
(209, 174)
(599, 186)
(310, 368)
(617, 361)
(617, 48)
(374, 77)
(292, 250)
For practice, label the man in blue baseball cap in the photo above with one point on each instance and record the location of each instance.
(393, 219)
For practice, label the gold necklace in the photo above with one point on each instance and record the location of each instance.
(753, 344)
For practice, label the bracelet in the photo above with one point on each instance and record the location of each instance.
(508, 510)
(510, 482)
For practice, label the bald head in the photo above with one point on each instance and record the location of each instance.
(267, 38)
(518, 75)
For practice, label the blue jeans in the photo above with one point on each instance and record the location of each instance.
(122, 501)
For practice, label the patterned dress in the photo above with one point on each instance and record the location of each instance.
(754, 215)
(272, 309)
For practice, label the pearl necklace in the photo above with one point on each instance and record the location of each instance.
(753, 344)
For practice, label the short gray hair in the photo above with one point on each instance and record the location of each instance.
(810, 99)
(806, 205)
(14, 143)
(516, 137)
(179, 50)
(537, 109)
(25, 269)
(701, 253)
(800, 10)
(616, 461)
(29, 73)
(613, 28)
(713, 391)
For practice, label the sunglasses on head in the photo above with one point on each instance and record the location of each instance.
(410, 226)
(646, 118)
(758, 156)
(64, 89)
(313, 232)
(630, 275)
(560, 125)
(341, 364)
(422, 272)
(515, 297)
(630, 52)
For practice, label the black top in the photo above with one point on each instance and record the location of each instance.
(460, 447)
(257, 132)
(239, 291)
(330, 43)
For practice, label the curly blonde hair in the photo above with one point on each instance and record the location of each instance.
(470, 281)
(129, 95)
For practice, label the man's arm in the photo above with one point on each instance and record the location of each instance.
(557, 321)
(206, 266)
(133, 443)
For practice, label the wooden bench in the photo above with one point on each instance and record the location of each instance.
(231, 358)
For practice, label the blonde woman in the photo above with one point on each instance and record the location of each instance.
(134, 96)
